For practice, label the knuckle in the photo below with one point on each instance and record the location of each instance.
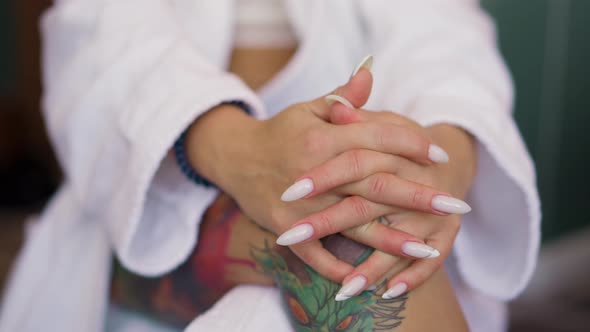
(383, 136)
(417, 197)
(325, 224)
(355, 163)
(377, 184)
(359, 206)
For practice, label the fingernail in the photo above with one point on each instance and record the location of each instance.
(330, 99)
(437, 154)
(449, 204)
(395, 291)
(366, 63)
(350, 288)
(419, 250)
(295, 235)
(371, 288)
(298, 190)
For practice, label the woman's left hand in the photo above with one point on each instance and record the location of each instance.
(438, 231)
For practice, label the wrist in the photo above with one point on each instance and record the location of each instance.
(218, 142)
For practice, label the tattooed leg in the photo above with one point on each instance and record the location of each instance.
(220, 261)
(233, 250)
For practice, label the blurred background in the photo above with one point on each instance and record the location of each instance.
(547, 46)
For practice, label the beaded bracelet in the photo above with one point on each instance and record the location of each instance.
(180, 150)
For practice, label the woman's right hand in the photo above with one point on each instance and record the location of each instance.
(254, 161)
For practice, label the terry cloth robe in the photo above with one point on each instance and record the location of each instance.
(124, 78)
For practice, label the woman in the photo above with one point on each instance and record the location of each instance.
(129, 77)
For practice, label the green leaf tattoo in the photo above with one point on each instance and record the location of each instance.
(309, 297)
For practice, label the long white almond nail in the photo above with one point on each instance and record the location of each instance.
(366, 63)
(395, 291)
(298, 190)
(419, 250)
(350, 288)
(448, 204)
(295, 235)
(437, 154)
(330, 99)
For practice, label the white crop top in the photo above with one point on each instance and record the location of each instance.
(263, 24)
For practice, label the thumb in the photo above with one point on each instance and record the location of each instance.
(357, 90)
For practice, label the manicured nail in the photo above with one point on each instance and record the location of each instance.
(295, 235)
(366, 63)
(371, 288)
(448, 204)
(419, 250)
(437, 154)
(330, 99)
(298, 190)
(395, 291)
(350, 288)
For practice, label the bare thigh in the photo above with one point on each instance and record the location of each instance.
(233, 250)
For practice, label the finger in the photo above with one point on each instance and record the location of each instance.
(389, 117)
(421, 270)
(350, 212)
(391, 241)
(343, 114)
(322, 261)
(359, 87)
(389, 138)
(381, 265)
(351, 166)
(366, 274)
(389, 189)
(357, 90)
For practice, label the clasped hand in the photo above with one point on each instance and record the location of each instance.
(371, 176)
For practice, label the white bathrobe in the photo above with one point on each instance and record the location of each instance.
(122, 80)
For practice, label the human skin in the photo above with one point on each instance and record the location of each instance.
(230, 128)
(233, 250)
(223, 258)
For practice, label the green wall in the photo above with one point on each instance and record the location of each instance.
(547, 46)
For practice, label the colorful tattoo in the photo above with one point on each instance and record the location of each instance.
(309, 298)
(181, 295)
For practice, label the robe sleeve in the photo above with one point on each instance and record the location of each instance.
(122, 81)
(437, 62)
